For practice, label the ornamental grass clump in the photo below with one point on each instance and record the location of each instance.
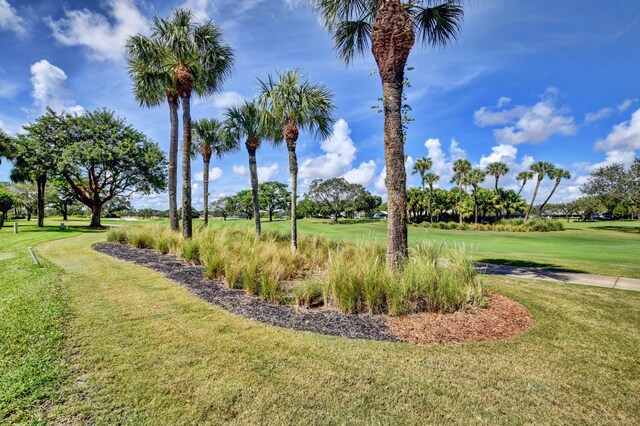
(118, 235)
(350, 277)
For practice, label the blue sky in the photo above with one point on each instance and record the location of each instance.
(527, 81)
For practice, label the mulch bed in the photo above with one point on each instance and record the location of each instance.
(503, 318)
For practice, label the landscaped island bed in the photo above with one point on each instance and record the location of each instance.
(500, 318)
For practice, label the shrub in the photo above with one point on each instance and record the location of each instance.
(141, 237)
(308, 293)
(191, 251)
(117, 235)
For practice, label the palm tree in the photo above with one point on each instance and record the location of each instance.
(474, 178)
(497, 169)
(294, 104)
(431, 179)
(210, 139)
(247, 122)
(421, 167)
(6, 143)
(461, 168)
(558, 174)
(524, 177)
(391, 28)
(541, 169)
(152, 85)
(200, 62)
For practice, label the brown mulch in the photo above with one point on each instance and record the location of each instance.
(502, 318)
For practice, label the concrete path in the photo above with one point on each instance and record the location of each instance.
(622, 283)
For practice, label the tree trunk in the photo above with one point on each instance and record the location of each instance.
(391, 41)
(28, 215)
(522, 187)
(293, 169)
(174, 221)
(187, 225)
(205, 195)
(253, 172)
(270, 215)
(65, 211)
(41, 183)
(548, 198)
(475, 208)
(431, 203)
(96, 212)
(535, 192)
(460, 216)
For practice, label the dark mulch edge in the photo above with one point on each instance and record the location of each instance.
(238, 302)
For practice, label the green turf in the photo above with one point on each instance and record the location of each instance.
(146, 351)
(606, 248)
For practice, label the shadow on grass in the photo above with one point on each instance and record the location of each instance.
(625, 229)
(528, 264)
(357, 221)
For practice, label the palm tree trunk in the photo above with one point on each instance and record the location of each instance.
(460, 203)
(522, 187)
(392, 38)
(187, 225)
(173, 163)
(253, 172)
(535, 192)
(430, 203)
(41, 183)
(548, 198)
(205, 195)
(475, 208)
(293, 169)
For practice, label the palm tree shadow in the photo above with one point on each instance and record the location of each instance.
(625, 229)
(529, 264)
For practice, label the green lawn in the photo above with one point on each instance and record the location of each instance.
(606, 248)
(118, 343)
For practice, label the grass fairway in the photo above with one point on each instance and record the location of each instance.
(606, 248)
(144, 350)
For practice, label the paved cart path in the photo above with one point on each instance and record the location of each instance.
(622, 283)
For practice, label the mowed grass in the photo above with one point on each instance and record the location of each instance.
(143, 350)
(605, 248)
(32, 314)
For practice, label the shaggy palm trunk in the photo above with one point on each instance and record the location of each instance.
(205, 195)
(174, 222)
(184, 83)
(41, 183)
(533, 200)
(253, 171)
(522, 187)
(475, 208)
(548, 198)
(392, 39)
(291, 137)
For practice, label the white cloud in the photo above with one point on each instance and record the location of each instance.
(455, 151)
(240, 170)
(200, 8)
(626, 104)
(503, 153)
(528, 124)
(362, 175)
(214, 175)
(227, 99)
(340, 153)
(92, 30)
(592, 117)
(9, 19)
(503, 101)
(50, 89)
(265, 173)
(624, 136)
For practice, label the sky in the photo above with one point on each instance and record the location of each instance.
(526, 81)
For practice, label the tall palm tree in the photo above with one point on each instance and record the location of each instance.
(200, 61)
(422, 166)
(474, 178)
(497, 169)
(558, 174)
(6, 145)
(246, 122)
(152, 85)
(431, 179)
(461, 168)
(391, 28)
(524, 177)
(541, 169)
(209, 138)
(294, 104)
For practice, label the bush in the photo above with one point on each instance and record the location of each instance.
(504, 225)
(351, 277)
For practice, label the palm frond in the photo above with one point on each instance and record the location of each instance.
(438, 25)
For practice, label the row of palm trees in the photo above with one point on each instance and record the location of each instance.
(181, 57)
(465, 175)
